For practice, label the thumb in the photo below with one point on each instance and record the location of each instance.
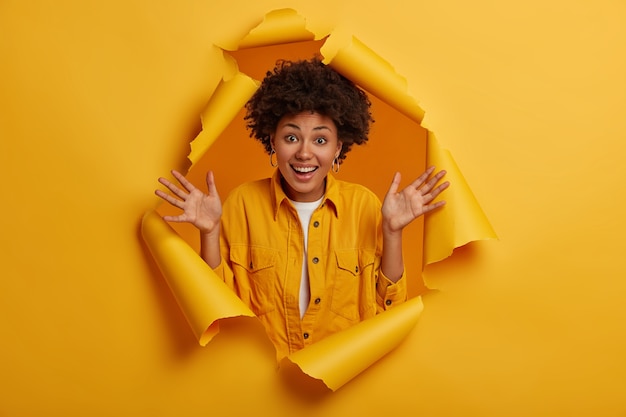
(210, 183)
(395, 183)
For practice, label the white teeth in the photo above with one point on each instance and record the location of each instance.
(304, 169)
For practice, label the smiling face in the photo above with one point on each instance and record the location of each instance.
(305, 144)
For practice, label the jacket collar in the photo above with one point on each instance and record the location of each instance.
(331, 195)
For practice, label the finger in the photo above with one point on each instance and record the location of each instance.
(433, 181)
(173, 201)
(183, 181)
(434, 193)
(428, 197)
(173, 188)
(422, 178)
(175, 219)
(210, 183)
(395, 183)
(431, 207)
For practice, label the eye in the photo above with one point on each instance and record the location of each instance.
(321, 141)
(291, 138)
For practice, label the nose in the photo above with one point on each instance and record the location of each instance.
(304, 151)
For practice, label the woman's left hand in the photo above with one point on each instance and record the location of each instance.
(401, 208)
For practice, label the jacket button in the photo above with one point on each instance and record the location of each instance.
(318, 300)
(356, 269)
(305, 335)
(388, 302)
(315, 260)
(316, 224)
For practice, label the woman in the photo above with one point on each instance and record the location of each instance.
(309, 254)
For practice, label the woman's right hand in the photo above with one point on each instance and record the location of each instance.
(202, 210)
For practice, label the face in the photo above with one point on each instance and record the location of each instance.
(305, 145)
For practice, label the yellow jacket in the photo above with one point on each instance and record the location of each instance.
(262, 246)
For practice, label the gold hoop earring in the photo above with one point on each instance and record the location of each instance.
(272, 152)
(335, 165)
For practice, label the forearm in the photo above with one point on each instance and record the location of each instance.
(392, 263)
(210, 248)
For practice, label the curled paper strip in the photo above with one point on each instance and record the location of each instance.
(202, 296)
(229, 97)
(461, 220)
(352, 58)
(278, 27)
(342, 356)
(205, 299)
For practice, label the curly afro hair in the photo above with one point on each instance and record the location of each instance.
(297, 86)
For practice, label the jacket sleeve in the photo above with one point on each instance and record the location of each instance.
(225, 273)
(223, 270)
(389, 293)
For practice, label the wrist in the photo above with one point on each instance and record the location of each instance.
(389, 230)
(210, 233)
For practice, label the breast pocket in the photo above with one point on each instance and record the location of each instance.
(354, 268)
(255, 276)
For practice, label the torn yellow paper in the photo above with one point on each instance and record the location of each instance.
(461, 220)
(356, 61)
(278, 27)
(202, 296)
(342, 356)
(227, 100)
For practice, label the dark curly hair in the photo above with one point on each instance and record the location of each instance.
(297, 86)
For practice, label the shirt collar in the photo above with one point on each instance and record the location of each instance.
(331, 196)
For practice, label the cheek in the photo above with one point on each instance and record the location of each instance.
(330, 156)
(282, 156)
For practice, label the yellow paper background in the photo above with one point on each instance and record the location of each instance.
(344, 356)
(99, 99)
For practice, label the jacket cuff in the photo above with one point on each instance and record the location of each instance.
(219, 270)
(389, 293)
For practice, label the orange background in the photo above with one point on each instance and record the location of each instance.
(236, 158)
(99, 99)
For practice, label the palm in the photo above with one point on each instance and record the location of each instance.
(202, 210)
(401, 208)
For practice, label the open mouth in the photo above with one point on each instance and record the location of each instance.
(304, 170)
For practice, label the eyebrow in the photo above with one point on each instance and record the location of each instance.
(295, 126)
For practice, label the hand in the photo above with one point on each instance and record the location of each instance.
(401, 208)
(202, 210)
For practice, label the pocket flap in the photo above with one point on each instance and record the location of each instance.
(353, 260)
(253, 258)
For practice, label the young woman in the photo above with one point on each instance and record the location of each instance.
(309, 254)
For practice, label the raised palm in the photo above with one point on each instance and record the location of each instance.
(401, 208)
(202, 210)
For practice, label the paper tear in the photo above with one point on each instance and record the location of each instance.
(205, 299)
(461, 220)
(342, 356)
(229, 97)
(354, 60)
(278, 27)
(202, 296)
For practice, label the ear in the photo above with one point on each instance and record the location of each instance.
(339, 147)
(271, 136)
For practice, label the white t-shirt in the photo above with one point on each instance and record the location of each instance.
(305, 211)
